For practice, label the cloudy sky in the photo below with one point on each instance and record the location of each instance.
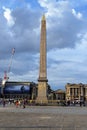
(66, 40)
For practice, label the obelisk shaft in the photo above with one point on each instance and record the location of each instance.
(43, 67)
(42, 80)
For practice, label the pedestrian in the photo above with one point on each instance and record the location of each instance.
(24, 104)
(80, 103)
(3, 102)
(17, 103)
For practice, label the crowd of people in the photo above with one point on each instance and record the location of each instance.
(20, 103)
(17, 103)
(74, 103)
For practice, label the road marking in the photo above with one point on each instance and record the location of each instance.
(45, 117)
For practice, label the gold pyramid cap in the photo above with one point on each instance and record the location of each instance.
(43, 18)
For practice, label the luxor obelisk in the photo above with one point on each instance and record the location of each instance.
(42, 80)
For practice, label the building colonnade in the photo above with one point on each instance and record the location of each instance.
(76, 92)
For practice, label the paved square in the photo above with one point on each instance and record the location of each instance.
(43, 118)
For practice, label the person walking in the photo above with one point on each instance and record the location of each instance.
(17, 103)
(3, 102)
(24, 103)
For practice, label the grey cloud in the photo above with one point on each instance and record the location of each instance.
(21, 64)
(22, 35)
(64, 32)
(24, 63)
(24, 29)
(25, 18)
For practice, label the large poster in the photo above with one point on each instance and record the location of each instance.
(17, 89)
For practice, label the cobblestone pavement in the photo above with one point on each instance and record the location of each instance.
(43, 118)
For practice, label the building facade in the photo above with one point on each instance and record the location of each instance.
(76, 92)
(60, 94)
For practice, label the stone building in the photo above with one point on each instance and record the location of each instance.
(57, 95)
(76, 92)
(60, 94)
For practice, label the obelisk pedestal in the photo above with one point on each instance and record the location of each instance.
(42, 80)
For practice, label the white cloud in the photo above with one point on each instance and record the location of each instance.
(54, 8)
(8, 16)
(77, 15)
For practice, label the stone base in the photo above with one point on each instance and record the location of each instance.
(42, 93)
(41, 100)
